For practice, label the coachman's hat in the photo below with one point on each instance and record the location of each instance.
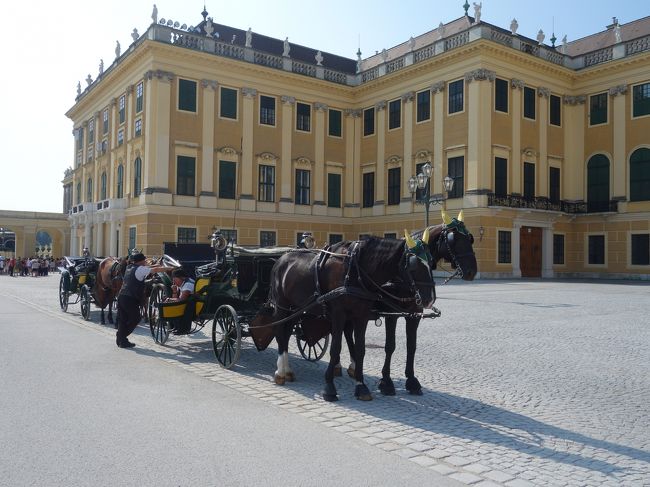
(139, 257)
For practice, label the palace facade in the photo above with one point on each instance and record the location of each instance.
(195, 129)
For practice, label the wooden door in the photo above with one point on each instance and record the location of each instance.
(530, 251)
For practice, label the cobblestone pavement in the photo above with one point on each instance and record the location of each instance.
(525, 382)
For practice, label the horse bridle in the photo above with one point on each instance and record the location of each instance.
(448, 235)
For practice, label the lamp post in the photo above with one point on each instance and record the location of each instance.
(423, 181)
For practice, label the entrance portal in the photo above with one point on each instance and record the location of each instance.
(530, 251)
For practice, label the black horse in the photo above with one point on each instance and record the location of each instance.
(342, 283)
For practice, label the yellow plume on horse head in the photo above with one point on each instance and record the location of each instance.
(446, 219)
(411, 244)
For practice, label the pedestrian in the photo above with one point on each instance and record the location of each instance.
(130, 297)
(12, 264)
(2, 265)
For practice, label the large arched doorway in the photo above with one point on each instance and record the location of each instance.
(43, 244)
(598, 183)
(640, 175)
(7, 242)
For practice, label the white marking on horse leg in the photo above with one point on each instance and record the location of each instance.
(290, 376)
(280, 372)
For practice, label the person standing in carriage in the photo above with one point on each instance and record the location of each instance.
(130, 297)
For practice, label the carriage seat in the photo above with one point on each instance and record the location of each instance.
(180, 314)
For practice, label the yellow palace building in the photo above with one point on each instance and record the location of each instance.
(197, 128)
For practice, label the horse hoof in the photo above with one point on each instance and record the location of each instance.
(330, 397)
(413, 386)
(386, 387)
(416, 392)
(338, 371)
(290, 377)
(362, 393)
(279, 380)
(351, 371)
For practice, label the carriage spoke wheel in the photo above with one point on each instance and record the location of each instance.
(315, 352)
(226, 336)
(63, 296)
(157, 325)
(85, 302)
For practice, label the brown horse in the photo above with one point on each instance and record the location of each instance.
(108, 283)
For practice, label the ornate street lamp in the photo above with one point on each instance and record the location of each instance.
(423, 182)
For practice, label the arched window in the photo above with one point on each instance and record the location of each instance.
(640, 175)
(598, 183)
(103, 187)
(120, 181)
(137, 176)
(89, 190)
(79, 192)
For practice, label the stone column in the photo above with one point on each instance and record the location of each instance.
(618, 94)
(320, 127)
(286, 199)
(407, 155)
(547, 252)
(380, 172)
(438, 156)
(246, 198)
(207, 196)
(574, 147)
(99, 246)
(515, 251)
(112, 238)
(542, 162)
(73, 239)
(352, 175)
(515, 177)
(88, 233)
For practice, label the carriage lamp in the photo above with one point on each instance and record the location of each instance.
(422, 182)
(307, 241)
(481, 231)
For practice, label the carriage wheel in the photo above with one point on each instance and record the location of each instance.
(157, 325)
(226, 336)
(63, 296)
(85, 302)
(315, 352)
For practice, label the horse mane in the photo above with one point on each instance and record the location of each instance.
(377, 253)
(434, 232)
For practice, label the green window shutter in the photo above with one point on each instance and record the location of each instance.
(185, 172)
(227, 179)
(334, 190)
(187, 95)
(640, 175)
(500, 176)
(598, 183)
(228, 103)
(335, 123)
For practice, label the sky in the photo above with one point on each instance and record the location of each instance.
(48, 47)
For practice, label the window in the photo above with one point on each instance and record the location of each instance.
(105, 121)
(640, 175)
(137, 176)
(138, 127)
(139, 99)
(120, 137)
(368, 189)
(640, 249)
(598, 183)
(185, 171)
(267, 183)
(333, 190)
(187, 95)
(80, 138)
(555, 108)
(302, 187)
(89, 189)
(456, 167)
(504, 249)
(335, 238)
(89, 154)
(227, 179)
(79, 193)
(501, 95)
(186, 235)
(395, 114)
(641, 100)
(529, 103)
(267, 238)
(554, 184)
(267, 110)
(390, 235)
(120, 181)
(91, 130)
(335, 124)
(303, 117)
(229, 234)
(598, 109)
(104, 146)
(394, 181)
(529, 180)
(596, 249)
(423, 106)
(228, 103)
(132, 234)
(102, 191)
(558, 249)
(122, 108)
(368, 121)
(456, 96)
(420, 193)
(500, 176)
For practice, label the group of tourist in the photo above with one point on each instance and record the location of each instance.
(29, 266)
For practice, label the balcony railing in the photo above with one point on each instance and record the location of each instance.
(543, 203)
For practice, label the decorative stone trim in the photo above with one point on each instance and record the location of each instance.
(129, 89)
(481, 74)
(409, 96)
(543, 92)
(288, 100)
(438, 87)
(394, 160)
(302, 160)
(353, 112)
(320, 107)
(618, 90)
(113, 102)
(267, 156)
(209, 83)
(380, 105)
(159, 74)
(575, 100)
(227, 150)
(517, 84)
(249, 92)
(423, 154)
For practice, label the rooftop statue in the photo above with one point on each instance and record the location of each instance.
(249, 38)
(154, 14)
(477, 12)
(286, 48)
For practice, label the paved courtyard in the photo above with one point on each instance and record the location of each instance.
(525, 382)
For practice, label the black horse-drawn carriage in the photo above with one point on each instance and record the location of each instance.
(78, 276)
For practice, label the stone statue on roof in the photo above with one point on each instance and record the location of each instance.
(89, 80)
(118, 49)
(540, 37)
(78, 88)
(134, 35)
(286, 48)
(441, 30)
(154, 14)
(411, 43)
(101, 67)
(617, 32)
(319, 58)
(477, 12)
(564, 44)
(514, 25)
(249, 38)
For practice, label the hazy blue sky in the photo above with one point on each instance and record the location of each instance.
(48, 46)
